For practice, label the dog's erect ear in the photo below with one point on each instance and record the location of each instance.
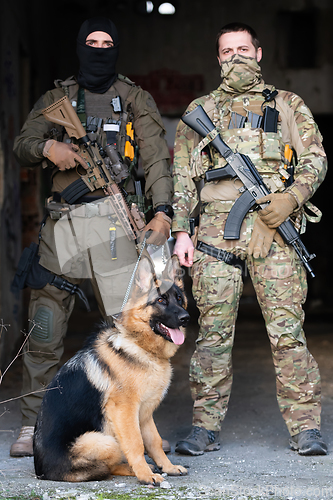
(174, 271)
(144, 275)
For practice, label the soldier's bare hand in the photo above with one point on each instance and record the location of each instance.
(184, 249)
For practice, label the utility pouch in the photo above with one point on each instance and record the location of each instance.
(270, 119)
(271, 115)
(194, 229)
(29, 255)
(129, 144)
(31, 274)
(194, 222)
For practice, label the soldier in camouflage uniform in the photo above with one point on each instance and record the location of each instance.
(277, 274)
(83, 237)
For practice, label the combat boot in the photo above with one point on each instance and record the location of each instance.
(23, 445)
(309, 442)
(198, 441)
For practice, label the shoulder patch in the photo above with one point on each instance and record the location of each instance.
(125, 79)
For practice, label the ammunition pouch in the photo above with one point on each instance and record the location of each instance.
(31, 274)
(75, 191)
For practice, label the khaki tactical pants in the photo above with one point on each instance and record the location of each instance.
(280, 285)
(75, 249)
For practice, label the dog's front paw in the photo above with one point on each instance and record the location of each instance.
(154, 479)
(175, 470)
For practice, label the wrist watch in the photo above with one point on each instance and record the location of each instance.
(167, 209)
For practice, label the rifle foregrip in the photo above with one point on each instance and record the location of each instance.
(288, 232)
(236, 216)
(291, 237)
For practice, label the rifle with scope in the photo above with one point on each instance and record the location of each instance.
(100, 174)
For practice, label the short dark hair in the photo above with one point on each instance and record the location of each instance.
(234, 27)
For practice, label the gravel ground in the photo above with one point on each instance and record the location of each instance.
(254, 461)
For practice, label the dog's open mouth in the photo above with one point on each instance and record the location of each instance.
(172, 334)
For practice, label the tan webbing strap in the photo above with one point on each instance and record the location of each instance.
(205, 141)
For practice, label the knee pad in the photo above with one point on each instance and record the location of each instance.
(43, 325)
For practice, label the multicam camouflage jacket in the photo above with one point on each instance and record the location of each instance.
(296, 127)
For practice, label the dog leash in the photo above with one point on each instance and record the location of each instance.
(133, 274)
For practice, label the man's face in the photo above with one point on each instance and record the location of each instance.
(237, 42)
(99, 40)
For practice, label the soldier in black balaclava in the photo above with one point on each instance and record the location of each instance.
(110, 107)
(97, 69)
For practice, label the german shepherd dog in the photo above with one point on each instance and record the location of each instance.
(96, 417)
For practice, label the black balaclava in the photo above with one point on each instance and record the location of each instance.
(97, 66)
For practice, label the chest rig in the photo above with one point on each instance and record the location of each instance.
(250, 125)
(108, 120)
(107, 171)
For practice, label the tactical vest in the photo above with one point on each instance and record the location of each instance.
(240, 122)
(109, 111)
(108, 119)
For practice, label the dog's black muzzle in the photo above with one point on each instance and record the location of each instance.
(184, 319)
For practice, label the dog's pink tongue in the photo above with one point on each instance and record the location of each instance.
(177, 336)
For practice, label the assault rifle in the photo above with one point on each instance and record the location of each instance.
(99, 175)
(240, 166)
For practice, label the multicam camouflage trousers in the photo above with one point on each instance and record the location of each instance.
(280, 285)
